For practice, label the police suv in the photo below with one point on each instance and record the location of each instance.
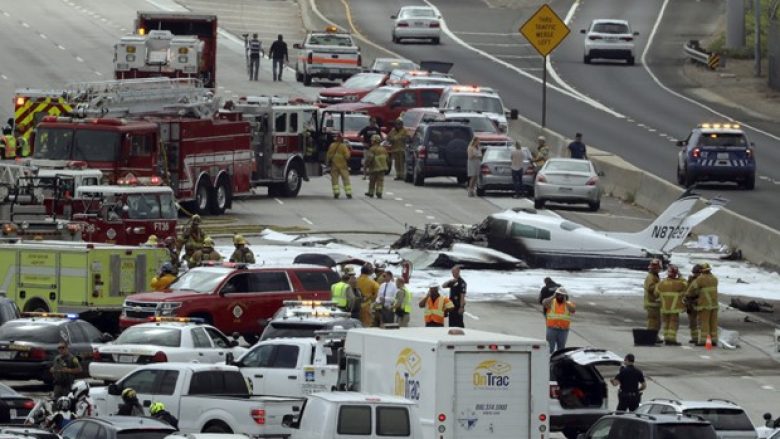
(717, 152)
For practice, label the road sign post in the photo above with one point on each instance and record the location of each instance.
(544, 30)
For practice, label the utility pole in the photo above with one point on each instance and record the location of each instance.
(757, 55)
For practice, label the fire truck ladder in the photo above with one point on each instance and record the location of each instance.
(120, 98)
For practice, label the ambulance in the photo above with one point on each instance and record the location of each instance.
(88, 279)
(467, 383)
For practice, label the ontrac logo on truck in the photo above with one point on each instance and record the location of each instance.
(492, 374)
(407, 366)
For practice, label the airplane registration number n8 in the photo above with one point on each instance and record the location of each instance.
(671, 232)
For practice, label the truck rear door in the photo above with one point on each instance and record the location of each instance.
(492, 395)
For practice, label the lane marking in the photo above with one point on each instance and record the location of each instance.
(79, 59)
(389, 193)
(6, 14)
(519, 57)
(279, 201)
(60, 46)
(98, 73)
(25, 25)
(4, 77)
(43, 36)
(470, 315)
(399, 199)
(313, 4)
(490, 34)
(706, 357)
(592, 303)
(767, 387)
(502, 44)
(418, 211)
(430, 217)
(523, 72)
(681, 96)
(307, 221)
(407, 205)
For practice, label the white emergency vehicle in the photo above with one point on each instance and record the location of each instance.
(484, 100)
(330, 54)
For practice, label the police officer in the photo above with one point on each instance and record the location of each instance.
(64, 370)
(632, 382)
(206, 253)
(191, 238)
(255, 49)
(242, 253)
(457, 288)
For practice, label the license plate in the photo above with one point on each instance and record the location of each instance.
(126, 359)
(564, 189)
(14, 414)
(723, 156)
(6, 355)
(503, 170)
(419, 23)
(433, 155)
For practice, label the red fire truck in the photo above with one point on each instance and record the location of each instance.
(142, 55)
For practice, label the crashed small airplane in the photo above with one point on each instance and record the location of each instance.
(548, 241)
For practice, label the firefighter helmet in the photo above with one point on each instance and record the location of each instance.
(672, 271)
(129, 393)
(655, 264)
(156, 407)
(208, 242)
(705, 267)
(152, 240)
(375, 139)
(195, 219)
(696, 269)
(239, 240)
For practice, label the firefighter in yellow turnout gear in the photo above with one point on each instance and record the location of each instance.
(671, 291)
(192, 238)
(376, 162)
(690, 306)
(338, 158)
(652, 303)
(705, 288)
(398, 137)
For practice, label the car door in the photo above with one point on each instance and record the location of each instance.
(269, 289)
(282, 377)
(221, 345)
(402, 101)
(601, 429)
(152, 385)
(204, 349)
(254, 364)
(79, 345)
(240, 302)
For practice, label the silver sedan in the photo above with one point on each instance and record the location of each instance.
(496, 172)
(567, 181)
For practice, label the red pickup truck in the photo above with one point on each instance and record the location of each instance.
(387, 103)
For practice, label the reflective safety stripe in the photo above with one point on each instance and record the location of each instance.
(709, 296)
(671, 291)
(407, 301)
(558, 316)
(650, 283)
(434, 311)
(338, 293)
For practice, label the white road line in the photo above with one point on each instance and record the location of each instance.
(25, 24)
(686, 347)
(628, 320)
(609, 311)
(501, 44)
(706, 357)
(43, 36)
(767, 387)
(79, 59)
(4, 77)
(307, 221)
(519, 56)
(681, 96)
(389, 193)
(278, 201)
(60, 46)
(98, 73)
(764, 177)
(470, 315)
(407, 205)
(523, 72)
(418, 211)
(316, 10)
(6, 14)
(430, 217)
(652, 130)
(592, 303)
(399, 199)
(489, 34)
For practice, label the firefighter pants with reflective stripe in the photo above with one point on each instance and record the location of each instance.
(556, 338)
(653, 318)
(708, 325)
(693, 324)
(376, 183)
(671, 323)
(343, 173)
(400, 166)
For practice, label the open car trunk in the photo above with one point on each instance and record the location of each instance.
(580, 384)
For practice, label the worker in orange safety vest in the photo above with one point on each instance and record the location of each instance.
(436, 306)
(559, 310)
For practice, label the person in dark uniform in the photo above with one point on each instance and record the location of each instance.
(255, 48)
(366, 134)
(548, 289)
(457, 288)
(278, 53)
(632, 382)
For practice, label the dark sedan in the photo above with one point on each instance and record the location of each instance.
(28, 345)
(117, 427)
(18, 405)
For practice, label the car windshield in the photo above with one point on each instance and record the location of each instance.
(567, 166)
(31, 332)
(85, 145)
(364, 80)
(378, 96)
(7, 391)
(723, 139)
(331, 40)
(148, 206)
(154, 336)
(485, 104)
(442, 136)
(723, 418)
(417, 12)
(201, 280)
(687, 431)
(351, 123)
(497, 155)
(480, 124)
(610, 28)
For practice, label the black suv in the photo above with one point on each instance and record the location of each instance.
(640, 426)
(438, 149)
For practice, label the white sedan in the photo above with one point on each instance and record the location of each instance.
(609, 39)
(170, 339)
(417, 22)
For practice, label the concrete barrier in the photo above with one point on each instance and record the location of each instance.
(759, 243)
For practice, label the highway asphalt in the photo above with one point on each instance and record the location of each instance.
(642, 118)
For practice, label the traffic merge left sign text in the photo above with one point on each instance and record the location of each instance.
(544, 30)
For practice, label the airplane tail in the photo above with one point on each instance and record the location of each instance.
(671, 228)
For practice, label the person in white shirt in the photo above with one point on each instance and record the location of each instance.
(520, 162)
(383, 306)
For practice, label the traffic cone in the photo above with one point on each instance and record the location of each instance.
(708, 343)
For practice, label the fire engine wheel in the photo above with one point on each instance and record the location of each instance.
(221, 197)
(292, 182)
(202, 196)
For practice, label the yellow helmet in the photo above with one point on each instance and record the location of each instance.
(208, 242)
(195, 219)
(152, 240)
(375, 139)
(239, 240)
(705, 267)
(129, 393)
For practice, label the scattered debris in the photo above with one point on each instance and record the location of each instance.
(751, 305)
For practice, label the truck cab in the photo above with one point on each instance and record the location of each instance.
(125, 215)
(331, 54)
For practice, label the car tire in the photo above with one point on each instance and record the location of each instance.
(586, 59)
(203, 196)
(594, 205)
(221, 197)
(480, 191)
(298, 75)
(306, 79)
(462, 180)
(539, 203)
(750, 182)
(408, 173)
(680, 178)
(395, 39)
(630, 60)
(689, 179)
(293, 180)
(418, 178)
(437, 40)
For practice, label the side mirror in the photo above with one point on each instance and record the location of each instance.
(233, 343)
(106, 337)
(230, 360)
(681, 143)
(582, 31)
(297, 46)
(113, 389)
(514, 114)
(600, 173)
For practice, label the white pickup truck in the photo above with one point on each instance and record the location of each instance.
(330, 54)
(334, 415)
(292, 367)
(205, 398)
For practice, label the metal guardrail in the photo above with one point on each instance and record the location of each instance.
(697, 54)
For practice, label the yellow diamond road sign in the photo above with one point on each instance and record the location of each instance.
(545, 30)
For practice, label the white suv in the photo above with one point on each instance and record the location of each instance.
(727, 418)
(469, 98)
(609, 39)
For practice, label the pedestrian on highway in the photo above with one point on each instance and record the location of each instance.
(559, 310)
(473, 164)
(632, 382)
(255, 49)
(369, 289)
(398, 138)
(278, 53)
(164, 278)
(547, 290)
(520, 159)
(457, 288)
(337, 158)
(383, 307)
(376, 163)
(577, 149)
(690, 306)
(705, 289)
(671, 291)
(436, 306)
(652, 302)
(242, 254)
(366, 134)
(206, 254)
(64, 369)
(402, 304)
(542, 152)
(191, 238)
